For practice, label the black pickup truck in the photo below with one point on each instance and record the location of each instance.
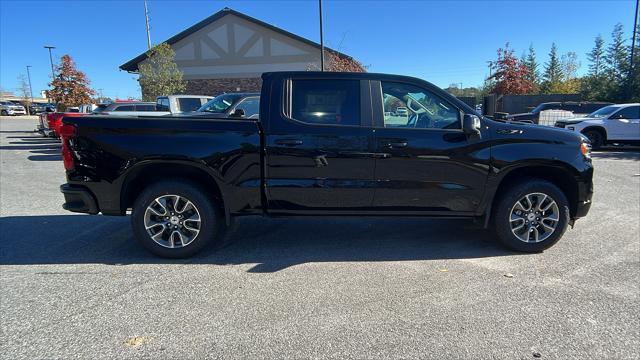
(328, 144)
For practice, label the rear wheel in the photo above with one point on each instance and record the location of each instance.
(531, 216)
(175, 219)
(4, 113)
(596, 137)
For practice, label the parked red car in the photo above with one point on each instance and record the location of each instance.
(50, 123)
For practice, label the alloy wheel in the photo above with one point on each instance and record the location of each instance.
(534, 217)
(172, 221)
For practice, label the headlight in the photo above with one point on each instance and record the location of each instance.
(585, 149)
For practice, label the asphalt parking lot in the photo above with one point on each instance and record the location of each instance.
(78, 286)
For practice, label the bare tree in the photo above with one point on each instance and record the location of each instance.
(24, 91)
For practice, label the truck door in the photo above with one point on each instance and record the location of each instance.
(318, 144)
(425, 163)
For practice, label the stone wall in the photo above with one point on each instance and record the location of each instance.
(214, 87)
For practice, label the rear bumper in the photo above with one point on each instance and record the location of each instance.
(78, 199)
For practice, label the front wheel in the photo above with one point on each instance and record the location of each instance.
(175, 219)
(596, 138)
(531, 216)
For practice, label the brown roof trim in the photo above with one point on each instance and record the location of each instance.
(132, 65)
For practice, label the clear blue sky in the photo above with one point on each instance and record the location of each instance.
(441, 41)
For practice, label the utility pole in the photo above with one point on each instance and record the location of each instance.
(146, 20)
(53, 73)
(633, 48)
(635, 34)
(321, 38)
(29, 77)
(101, 97)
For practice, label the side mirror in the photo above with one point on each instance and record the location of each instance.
(238, 113)
(471, 124)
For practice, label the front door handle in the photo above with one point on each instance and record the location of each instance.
(395, 144)
(289, 142)
(398, 144)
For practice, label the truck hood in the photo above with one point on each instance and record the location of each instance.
(537, 132)
(573, 120)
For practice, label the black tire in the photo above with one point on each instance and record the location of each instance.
(507, 202)
(596, 137)
(210, 218)
(4, 113)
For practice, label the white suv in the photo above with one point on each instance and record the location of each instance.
(10, 108)
(611, 124)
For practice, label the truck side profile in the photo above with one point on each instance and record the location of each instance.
(327, 144)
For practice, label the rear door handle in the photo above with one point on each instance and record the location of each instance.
(289, 142)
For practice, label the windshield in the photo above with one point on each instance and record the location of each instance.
(219, 104)
(604, 112)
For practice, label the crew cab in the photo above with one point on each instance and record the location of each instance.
(612, 124)
(326, 144)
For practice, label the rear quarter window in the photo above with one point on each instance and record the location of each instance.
(326, 101)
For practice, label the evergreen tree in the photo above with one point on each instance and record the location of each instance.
(617, 60)
(635, 70)
(596, 57)
(552, 72)
(594, 86)
(531, 63)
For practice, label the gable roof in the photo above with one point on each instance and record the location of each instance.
(132, 65)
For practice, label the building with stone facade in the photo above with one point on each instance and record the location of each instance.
(228, 52)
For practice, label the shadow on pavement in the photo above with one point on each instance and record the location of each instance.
(271, 244)
(45, 149)
(617, 154)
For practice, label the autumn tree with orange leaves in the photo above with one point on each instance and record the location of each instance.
(512, 77)
(70, 87)
(336, 63)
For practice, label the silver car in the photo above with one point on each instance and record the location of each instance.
(9, 108)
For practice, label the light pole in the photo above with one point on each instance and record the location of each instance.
(321, 38)
(53, 74)
(30, 89)
(146, 20)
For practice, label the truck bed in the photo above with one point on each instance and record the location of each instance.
(109, 149)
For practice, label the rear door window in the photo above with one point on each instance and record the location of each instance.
(189, 104)
(326, 101)
(146, 107)
(125, 108)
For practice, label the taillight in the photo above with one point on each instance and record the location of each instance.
(67, 131)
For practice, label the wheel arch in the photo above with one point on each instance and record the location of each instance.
(558, 174)
(146, 173)
(598, 128)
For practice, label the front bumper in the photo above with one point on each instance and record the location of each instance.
(78, 199)
(16, 112)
